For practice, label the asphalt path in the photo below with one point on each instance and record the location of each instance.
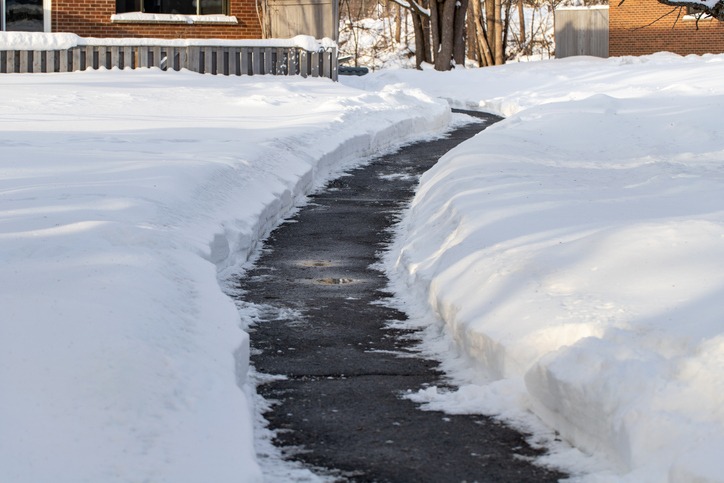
(339, 409)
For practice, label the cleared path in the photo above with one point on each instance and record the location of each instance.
(322, 329)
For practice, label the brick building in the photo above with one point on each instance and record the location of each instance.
(224, 19)
(639, 27)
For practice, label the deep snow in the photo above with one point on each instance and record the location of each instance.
(571, 255)
(123, 195)
(574, 253)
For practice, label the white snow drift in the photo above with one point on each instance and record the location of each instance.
(575, 254)
(122, 193)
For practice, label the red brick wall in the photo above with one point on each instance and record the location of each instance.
(634, 30)
(92, 18)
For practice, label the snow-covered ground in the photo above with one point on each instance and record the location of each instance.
(572, 256)
(124, 195)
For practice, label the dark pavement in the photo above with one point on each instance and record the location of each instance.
(322, 328)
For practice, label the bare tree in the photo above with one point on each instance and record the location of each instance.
(490, 28)
(439, 31)
(447, 32)
(715, 10)
(421, 24)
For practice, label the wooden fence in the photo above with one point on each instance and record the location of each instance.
(202, 59)
(581, 31)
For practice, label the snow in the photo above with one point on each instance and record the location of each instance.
(573, 258)
(171, 18)
(125, 197)
(566, 264)
(62, 41)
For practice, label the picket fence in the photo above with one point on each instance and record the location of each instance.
(203, 59)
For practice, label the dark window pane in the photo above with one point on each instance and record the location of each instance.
(184, 7)
(152, 6)
(24, 15)
(212, 7)
(124, 6)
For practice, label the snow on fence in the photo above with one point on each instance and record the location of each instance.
(221, 60)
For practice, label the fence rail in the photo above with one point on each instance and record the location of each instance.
(203, 59)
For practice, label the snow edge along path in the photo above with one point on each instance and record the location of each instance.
(576, 278)
(233, 250)
(121, 358)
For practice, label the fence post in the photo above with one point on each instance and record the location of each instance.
(304, 63)
(234, 61)
(156, 57)
(75, 57)
(315, 64)
(102, 57)
(180, 59)
(217, 60)
(142, 57)
(245, 52)
(255, 61)
(268, 61)
(221, 64)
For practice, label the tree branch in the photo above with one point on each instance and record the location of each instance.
(660, 18)
(717, 11)
(413, 6)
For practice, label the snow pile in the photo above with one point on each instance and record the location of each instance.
(508, 89)
(575, 254)
(122, 195)
(63, 41)
(38, 41)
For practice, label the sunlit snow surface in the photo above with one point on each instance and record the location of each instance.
(124, 196)
(574, 254)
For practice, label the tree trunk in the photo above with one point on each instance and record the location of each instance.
(435, 29)
(521, 21)
(471, 37)
(498, 42)
(398, 22)
(486, 57)
(460, 33)
(446, 23)
(419, 40)
(490, 21)
(426, 31)
(506, 27)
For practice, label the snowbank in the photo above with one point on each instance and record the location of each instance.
(506, 90)
(62, 41)
(122, 196)
(575, 252)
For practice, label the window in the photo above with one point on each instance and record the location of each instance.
(21, 15)
(181, 7)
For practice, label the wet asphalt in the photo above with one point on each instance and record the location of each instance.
(321, 325)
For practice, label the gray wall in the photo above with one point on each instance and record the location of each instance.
(318, 18)
(581, 31)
